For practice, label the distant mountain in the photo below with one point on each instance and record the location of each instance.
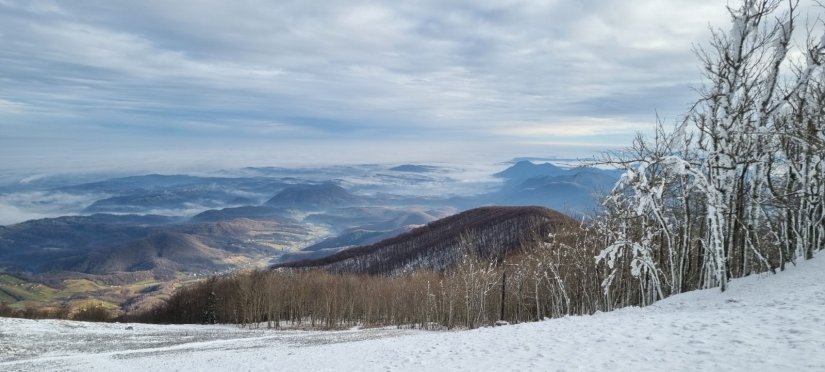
(362, 226)
(574, 191)
(166, 200)
(338, 243)
(348, 239)
(314, 197)
(32, 244)
(231, 230)
(251, 212)
(526, 169)
(131, 183)
(174, 194)
(156, 182)
(404, 219)
(488, 231)
(413, 168)
(376, 218)
(108, 244)
(572, 198)
(163, 253)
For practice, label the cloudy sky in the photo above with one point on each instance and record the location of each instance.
(212, 83)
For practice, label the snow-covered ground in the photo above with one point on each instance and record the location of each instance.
(767, 322)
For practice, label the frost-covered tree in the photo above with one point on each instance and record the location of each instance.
(737, 187)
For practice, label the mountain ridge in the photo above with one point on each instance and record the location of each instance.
(486, 231)
(314, 196)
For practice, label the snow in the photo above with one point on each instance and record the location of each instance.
(764, 322)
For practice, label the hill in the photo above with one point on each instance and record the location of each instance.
(487, 231)
(33, 244)
(310, 196)
(526, 169)
(338, 243)
(166, 200)
(376, 218)
(574, 191)
(108, 244)
(251, 212)
(173, 194)
(414, 168)
(163, 253)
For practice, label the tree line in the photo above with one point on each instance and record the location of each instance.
(90, 312)
(552, 277)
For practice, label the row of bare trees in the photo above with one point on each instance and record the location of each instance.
(90, 312)
(553, 279)
(737, 187)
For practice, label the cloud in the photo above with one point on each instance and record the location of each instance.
(10, 214)
(198, 71)
(11, 107)
(21, 206)
(576, 127)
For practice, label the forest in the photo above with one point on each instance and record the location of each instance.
(550, 278)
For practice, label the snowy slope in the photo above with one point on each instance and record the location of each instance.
(767, 322)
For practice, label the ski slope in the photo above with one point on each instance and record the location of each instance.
(765, 322)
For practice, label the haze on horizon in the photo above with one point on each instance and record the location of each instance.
(153, 84)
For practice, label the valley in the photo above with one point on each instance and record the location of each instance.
(142, 237)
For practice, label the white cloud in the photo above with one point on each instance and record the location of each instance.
(10, 214)
(11, 107)
(575, 127)
(21, 206)
(200, 71)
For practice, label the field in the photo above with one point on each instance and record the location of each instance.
(13, 289)
(19, 293)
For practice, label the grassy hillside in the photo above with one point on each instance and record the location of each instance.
(78, 293)
(16, 291)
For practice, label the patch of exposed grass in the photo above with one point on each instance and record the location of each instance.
(81, 286)
(13, 289)
(90, 302)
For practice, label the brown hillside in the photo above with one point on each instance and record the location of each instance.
(164, 252)
(487, 232)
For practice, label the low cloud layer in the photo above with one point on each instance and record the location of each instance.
(188, 74)
(21, 206)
